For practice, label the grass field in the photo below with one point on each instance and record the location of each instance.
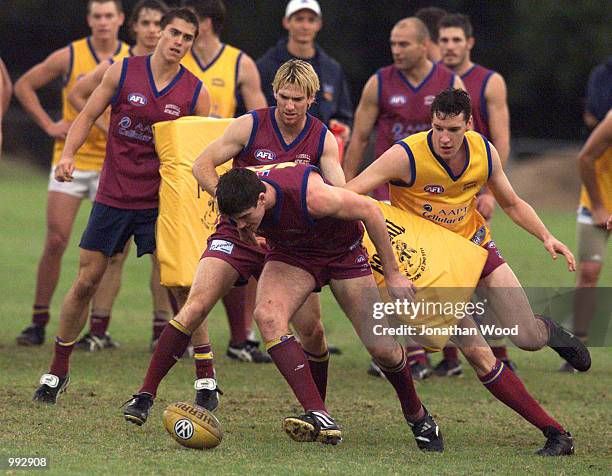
(85, 433)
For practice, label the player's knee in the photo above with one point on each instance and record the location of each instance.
(56, 243)
(387, 356)
(266, 319)
(481, 358)
(312, 334)
(589, 275)
(195, 310)
(85, 287)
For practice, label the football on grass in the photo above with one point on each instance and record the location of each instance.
(192, 426)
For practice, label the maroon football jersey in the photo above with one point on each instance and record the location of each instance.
(266, 146)
(130, 175)
(475, 81)
(289, 226)
(405, 109)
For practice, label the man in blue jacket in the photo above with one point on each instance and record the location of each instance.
(333, 104)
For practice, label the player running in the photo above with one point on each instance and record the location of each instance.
(142, 90)
(436, 175)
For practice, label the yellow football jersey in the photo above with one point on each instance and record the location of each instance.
(435, 193)
(603, 172)
(220, 77)
(83, 60)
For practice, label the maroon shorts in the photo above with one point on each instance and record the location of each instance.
(494, 259)
(351, 264)
(247, 260)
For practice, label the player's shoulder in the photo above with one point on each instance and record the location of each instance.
(232, 50)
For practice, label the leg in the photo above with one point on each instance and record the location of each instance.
(73, 317)
(162, 309)
(309, 328)
(281, 291)
(584, 299)
(61, 212)
(356, 297)
(506, 386)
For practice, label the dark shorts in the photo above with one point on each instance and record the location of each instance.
(109, 229)
(351, 264)
(247, 260)
(494, 259)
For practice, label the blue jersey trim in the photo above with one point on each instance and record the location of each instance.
(443, 163)
(483, 100)
(489, 161)
(212, 61)
(307, 216)
(194, 100)
(92, 51)
(169, 86)
(300, 136)
(66, 78)
(402, 183)
(124, 67)
(452, 81)
(322, 138)
(253, 131)
(236, 89)
(467, 73)
(279, 198)
(416, 88)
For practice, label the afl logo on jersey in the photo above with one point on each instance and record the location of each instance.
(397, 100)
(137, 99)
(265, 155)
(434, 189)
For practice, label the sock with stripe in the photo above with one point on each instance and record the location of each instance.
(160, 320)
(319, 365)
(203, 358)
(40, 315)
(508, 388)
(290, 360)
(98, 323)
(234, 307)
(61, 357)
(401, 379)
(416, 354)
(451, 354)
(169, 349)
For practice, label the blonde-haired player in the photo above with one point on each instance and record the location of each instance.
(285, 133)
(104, 17)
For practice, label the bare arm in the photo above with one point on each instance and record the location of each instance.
(392, 165)
(522, 213)
(327, 201)
(6, 87)
(84, 87)
(54, 66)
(597, 143)
(202, 107)
(499, 116)
(365, 118)
(249, 83)
(220, 151)
(96, 105)
(330, 164)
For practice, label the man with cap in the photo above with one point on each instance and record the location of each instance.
(333, 106)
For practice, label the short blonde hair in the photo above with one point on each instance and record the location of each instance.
(299, 73)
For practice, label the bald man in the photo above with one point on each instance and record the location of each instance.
(412, 80)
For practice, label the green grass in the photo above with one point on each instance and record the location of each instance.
(85, 432)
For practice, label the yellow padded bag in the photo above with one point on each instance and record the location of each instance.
(187, 214)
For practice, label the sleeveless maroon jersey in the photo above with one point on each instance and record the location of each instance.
(475, 81)
(405, 109)
(289, 226)
(130, 175)
(266, 146)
